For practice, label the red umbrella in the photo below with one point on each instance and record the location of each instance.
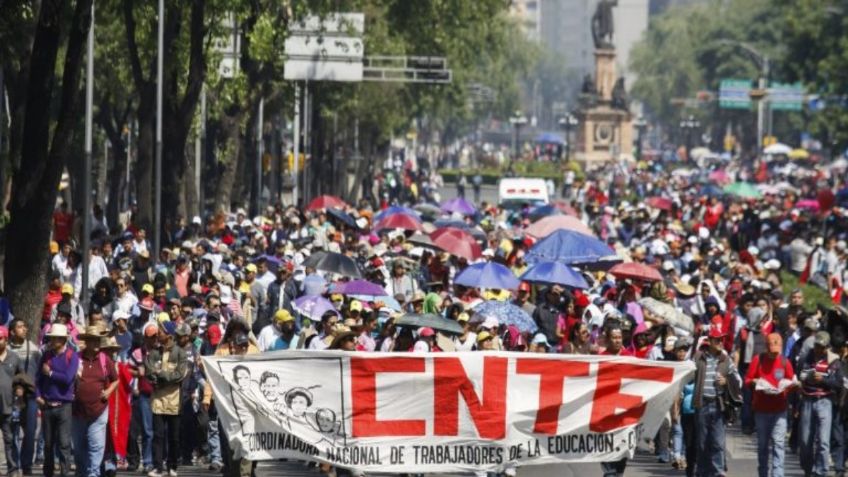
(548, 225)
(456, 242)
(636, 271)
(399, 221)
(720, 177)
(326, 202)
(662, 203)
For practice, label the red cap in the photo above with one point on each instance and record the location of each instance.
(525, 287)
(4, 332)
(580, 299)
(716, 331)
(426, 332)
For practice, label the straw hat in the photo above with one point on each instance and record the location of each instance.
(109, 342)
(92, 332)
(57, 330)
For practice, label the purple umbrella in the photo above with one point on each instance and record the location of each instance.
(313, 307)
(458, 205)
(487, 275)
(359, 287)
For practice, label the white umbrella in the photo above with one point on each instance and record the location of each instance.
(777, 148)
(668, 313)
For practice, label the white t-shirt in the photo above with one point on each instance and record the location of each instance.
(468, 344)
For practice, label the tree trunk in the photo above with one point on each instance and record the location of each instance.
(35, 182)
(232, 147)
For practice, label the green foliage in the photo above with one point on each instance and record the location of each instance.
(813, 295)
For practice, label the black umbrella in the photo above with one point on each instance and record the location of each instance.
(333, 263)
(343, 216)
(416, 320)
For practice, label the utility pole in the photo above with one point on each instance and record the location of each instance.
(260, 149)
(86, 177)
(296, 145)
(157, 209)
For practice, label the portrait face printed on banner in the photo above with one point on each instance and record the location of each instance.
(268, 385)
(298, 405)
(326, 420)
(241, 375)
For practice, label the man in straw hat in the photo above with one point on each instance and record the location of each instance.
(54, 394)
(96, 381)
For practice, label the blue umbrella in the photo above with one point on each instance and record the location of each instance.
(506, 313)
(313, 307)
(272, 262)
(487, 275)
(395, 209)
(537, 213)
(550, 138)
(554, 272)
(569, 247)
(711, 190)
(346, 218)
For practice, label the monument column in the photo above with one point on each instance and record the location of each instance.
(605, 73)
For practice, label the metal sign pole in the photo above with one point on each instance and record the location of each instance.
(296, 141)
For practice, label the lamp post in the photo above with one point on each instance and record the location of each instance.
(517, 120)
(688, 125)
(567, 123)
(640, 124)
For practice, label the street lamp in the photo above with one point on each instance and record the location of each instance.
(517, 120)
(688, 125)
(567, 123)
(640, 124)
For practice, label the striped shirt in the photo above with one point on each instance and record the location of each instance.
(709, 390)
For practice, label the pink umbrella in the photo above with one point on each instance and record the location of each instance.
(809, 204)
(547, 225)
(399, 221)
(719, 176)
(565, 208)
(661, 203)
(636, 271)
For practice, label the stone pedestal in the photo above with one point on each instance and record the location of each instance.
(605, 74)
(605, 134)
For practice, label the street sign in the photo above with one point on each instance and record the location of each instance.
(326, 49)
(734, 94)
(786, 97)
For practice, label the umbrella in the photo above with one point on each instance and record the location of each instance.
(326, 202)
(506, 313)
(661, 203)
(430, 320)
(487, 275)
(699, 152)
(457, 242)
(544, 210)
(399, 221)
(569, 247)
(343, 216)
(554, 272)
(809, 204)
(720, 176)
(777, 148)
(548, 225)
(359, 287)
(743, 190)
(313, 307)
(334, 263)
(799, 154)
(710, 191)
(636, 271)
(422, 240)
(272, 261)
(565, 208)
(458, 205)
(387, 300)
(668, 313)
(429, 210)
(550, 138)
(395, 209)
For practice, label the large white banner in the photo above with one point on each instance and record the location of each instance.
(440, 412)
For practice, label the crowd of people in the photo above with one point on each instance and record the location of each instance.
(118, 383)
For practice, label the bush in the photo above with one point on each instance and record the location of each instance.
(536, 169)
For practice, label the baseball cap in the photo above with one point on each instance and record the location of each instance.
(483, 336)
(170, 328)
(426, 332)
(463, 317)
(283, 316)
(356, 305)
(250, 268)
(775, 343)
(183, 329)
(540, 338)
(150, 331)
(811, 324)
(67, 289)
(822, 338)
(4, 332)
(147, 288)
(240, 339)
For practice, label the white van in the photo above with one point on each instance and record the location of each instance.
(515, 192)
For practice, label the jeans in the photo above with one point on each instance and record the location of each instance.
(214, 442)
(746, 413)
(771, 435)
(678, 449)
(838, 441)
(661, 441)
(166, 425)
(56, 422)
(690, 442)
(90, 443)
(11, 450)
(26, 425)
(141, 425)
(710, 421)
(816, 416)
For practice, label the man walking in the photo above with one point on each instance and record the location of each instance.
(29, 354)
(54, 394)
(821, 378)
(10, 366)
(768, 370)
(716, 380)
(166, 366)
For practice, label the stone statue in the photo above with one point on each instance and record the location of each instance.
(588, 85)
(619, 96)
(602, 24)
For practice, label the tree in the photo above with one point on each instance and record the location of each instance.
(45, 70)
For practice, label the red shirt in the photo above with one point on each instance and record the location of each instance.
(772, 370)
(94, 376)
(52, 298)
(62, 224)
(623, 352)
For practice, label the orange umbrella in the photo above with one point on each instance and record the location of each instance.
(636, 271)
(547, 225)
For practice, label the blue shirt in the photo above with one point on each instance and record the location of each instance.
(58, 386)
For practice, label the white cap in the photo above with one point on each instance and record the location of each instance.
(196, 220)
(667, 265)
(490, 322)
(753, 250)
(772, 264)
